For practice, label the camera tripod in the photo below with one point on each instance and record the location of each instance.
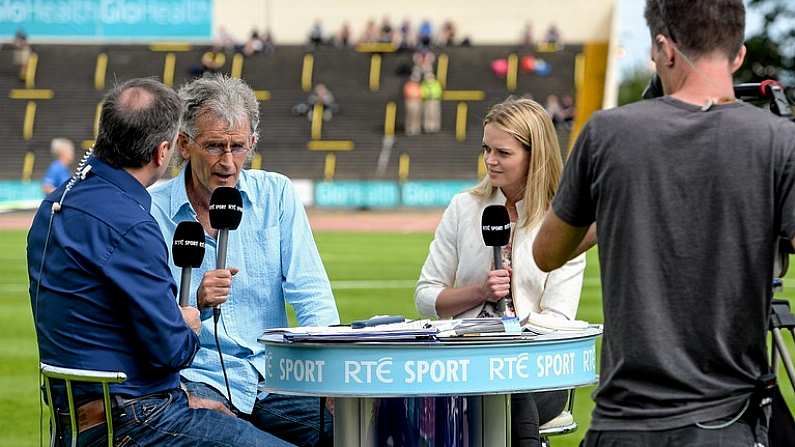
(781, 319)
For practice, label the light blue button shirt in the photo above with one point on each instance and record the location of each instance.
(278, 260)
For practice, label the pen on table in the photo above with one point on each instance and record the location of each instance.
(377, 321)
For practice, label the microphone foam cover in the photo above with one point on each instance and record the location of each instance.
(188, 246)
(496, 226)
(226, 208)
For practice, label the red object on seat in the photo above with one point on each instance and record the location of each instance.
(500, 67)
(528, 64)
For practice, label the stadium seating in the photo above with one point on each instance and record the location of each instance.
(70, 71)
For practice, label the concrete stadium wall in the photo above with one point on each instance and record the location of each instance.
(486, 22)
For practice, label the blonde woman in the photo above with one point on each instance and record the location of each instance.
(458, 280)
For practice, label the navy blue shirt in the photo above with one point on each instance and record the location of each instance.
(107, 296)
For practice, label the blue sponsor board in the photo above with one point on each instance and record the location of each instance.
(355, 194)
(15, 194)
(432, 194)
(382, 370)
(108, 19)
(386, 194)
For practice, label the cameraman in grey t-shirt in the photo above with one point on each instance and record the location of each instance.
(690, 193)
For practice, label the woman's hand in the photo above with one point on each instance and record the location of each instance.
(497, 285)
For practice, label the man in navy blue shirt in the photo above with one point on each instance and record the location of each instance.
(102, 293)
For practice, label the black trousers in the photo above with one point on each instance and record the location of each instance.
(738, 434)
(531, 410)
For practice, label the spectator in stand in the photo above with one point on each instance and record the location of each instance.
(412, 96)
(552, 36)
(432, 103)
(526, 39)
(425, 34)
(406, 37)
(58, 173)
(268, 47)
(211, 63)
(370, 33)
(21, 53)
(554, 109)
(344, 35)
(387, 32)
(316, 34)
(447, 35)
(321, 95)
(568, 109)
(424, 59)
(224, 40)
(253, 44)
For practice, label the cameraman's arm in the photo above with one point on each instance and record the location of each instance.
(587, 242)
(557, 242)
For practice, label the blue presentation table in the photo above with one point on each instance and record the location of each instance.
(475, 374)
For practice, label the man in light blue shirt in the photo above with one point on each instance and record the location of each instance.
(272, 256)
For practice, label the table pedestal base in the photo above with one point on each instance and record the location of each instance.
(450, 421)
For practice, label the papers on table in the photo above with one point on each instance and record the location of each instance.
(427, 330)
(549, 323)
(411, 330)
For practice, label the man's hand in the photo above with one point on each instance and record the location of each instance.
(214, 288)
(497, 285)
(191, 317)
(209, 404)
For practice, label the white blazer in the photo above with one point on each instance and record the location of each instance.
(459, 258)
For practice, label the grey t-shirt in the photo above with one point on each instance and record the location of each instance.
(689, 205)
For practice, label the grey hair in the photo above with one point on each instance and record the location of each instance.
(225, 97)
(59, 145)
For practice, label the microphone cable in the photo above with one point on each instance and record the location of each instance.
(216, 317)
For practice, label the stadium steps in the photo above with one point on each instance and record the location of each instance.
(69, 71)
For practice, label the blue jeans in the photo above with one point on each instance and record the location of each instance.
(293, 418)
(166, 419)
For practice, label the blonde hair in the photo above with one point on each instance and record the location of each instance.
(531, 125)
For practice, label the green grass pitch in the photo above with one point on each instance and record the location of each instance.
(372, 273)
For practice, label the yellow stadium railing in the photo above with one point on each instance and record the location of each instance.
(306, 72)
(389, 119)
(27, 166)
(330, 145)
(404, 164)
(461, 122)
(329, 167)
(375, 72)
(100, 71)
